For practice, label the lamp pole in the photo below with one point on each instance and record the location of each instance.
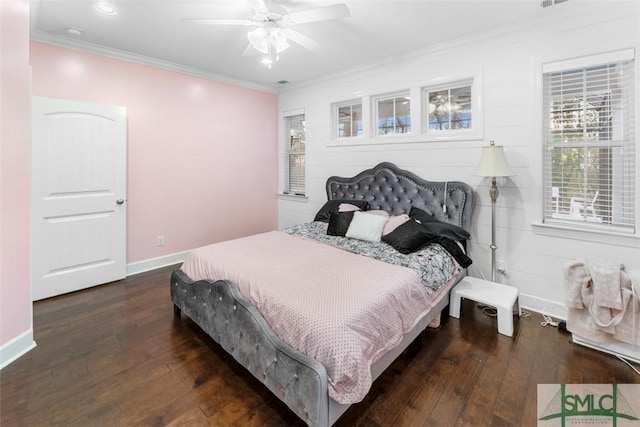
(492, 165)
(493, 193)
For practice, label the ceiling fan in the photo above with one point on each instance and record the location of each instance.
(274, 23)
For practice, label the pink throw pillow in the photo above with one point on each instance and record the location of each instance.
(394, 222)
(348, 207)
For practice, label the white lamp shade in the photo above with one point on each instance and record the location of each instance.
(493, 163)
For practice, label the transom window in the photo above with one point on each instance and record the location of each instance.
(349, 119)
(589, 139)
(393, 114)
(448, 108)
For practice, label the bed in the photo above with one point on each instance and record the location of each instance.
(281, 346)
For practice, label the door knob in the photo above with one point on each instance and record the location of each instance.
(120, 201)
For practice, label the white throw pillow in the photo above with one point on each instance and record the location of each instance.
(379, 212)
(366, 226)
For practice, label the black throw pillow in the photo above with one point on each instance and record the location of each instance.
(332, 206)
(455, 251)
(437, 227)
(409, 237)
(339, 223)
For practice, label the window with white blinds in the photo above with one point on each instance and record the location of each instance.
(294, 155)
(589, 139)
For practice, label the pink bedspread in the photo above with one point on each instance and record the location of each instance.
(344, 310)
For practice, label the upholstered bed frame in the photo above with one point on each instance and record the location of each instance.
(298, 380)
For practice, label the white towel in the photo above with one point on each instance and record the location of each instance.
(605, 275)
(588, 317)
(576, 277)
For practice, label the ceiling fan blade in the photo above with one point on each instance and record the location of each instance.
(302, 40)
(258, 6)
(205, 21)
(323, 13)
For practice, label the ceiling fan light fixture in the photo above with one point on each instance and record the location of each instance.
(272, 35)
(278, 39)
(263, 39)
(267, 61)
(259, 39)
(106, 9)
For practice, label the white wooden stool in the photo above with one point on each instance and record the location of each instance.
(497, 295)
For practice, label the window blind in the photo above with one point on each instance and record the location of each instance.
(294, 155)
(589, 138)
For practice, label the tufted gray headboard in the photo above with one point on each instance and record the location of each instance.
(395, 190)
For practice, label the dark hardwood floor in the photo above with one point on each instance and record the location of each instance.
(115, 355)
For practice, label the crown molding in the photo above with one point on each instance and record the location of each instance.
(83, 46)
(590, 9)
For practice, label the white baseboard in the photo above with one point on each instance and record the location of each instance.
(621, 349)
(153, 263)
(17, 347)
(543, 306)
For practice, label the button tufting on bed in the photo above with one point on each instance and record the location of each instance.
(241, 330)
(407, 190)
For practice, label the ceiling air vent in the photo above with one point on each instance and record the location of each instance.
(547, 3)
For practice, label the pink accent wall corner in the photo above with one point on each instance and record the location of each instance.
(202, 155)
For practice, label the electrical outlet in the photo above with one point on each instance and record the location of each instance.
(501, 266)
(160, 240)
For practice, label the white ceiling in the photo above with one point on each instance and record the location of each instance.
(151, 31)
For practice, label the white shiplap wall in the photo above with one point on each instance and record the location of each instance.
(507, 62)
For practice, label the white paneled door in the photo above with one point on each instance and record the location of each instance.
(78, 196)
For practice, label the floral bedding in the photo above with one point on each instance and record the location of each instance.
(434, 264)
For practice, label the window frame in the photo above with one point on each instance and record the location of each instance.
(585, 230)
(427, 91)
(375, 101)
(287, 127)
(336, 120)
(477, 126)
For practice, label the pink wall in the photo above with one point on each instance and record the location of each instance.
(15, 149)
(202, 155)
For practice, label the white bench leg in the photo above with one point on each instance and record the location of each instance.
(505, 320)
(454, 304)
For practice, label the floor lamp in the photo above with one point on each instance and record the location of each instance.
(493, 164)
